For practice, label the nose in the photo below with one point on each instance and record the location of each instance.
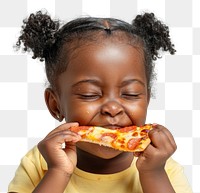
(112, 108)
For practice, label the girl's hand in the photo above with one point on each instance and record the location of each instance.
(61, 158)
(162, 146)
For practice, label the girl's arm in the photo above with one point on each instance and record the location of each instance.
(151, 163)
(54, 181)
(157, 182)
(61, 161)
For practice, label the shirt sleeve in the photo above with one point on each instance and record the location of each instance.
(28, 174)
(177, 177)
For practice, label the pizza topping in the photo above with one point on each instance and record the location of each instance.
(132, 143)
(112, 135)
(135, 134)
(132, 138)
(127, 129)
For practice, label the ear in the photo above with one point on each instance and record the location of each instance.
(53, 104)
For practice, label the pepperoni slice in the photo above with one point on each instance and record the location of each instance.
(133, 143)
(127, 129)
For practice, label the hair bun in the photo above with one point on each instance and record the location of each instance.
(154, 33)
(38, 34)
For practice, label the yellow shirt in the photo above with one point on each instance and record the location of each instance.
(33, 168)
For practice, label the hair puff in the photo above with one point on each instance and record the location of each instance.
(154, 33)
(38, 34)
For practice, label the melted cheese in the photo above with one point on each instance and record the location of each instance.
(132, 140)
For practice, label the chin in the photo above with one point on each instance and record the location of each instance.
(107, 152)
(98, 151)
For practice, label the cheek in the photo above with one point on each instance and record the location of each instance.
(137, 113)
(81, 113)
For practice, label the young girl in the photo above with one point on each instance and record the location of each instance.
(100, 72)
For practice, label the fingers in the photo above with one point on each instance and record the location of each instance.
(59, 136)
(167, 132)
(156, 154)
(62, 136)
(161, 138)
(64, 127)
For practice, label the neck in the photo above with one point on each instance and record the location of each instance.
(93, 164)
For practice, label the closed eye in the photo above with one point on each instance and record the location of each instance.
(130, 96)
(89, 96)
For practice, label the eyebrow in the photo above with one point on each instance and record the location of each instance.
(91, 81)
(129, 81)
(97, 83)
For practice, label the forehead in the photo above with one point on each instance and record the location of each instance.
(76, 42)
(84, 40)
(108, 60)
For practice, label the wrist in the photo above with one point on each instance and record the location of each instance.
(59, 172)
(155, 181)
(153, 173)
(54, 181)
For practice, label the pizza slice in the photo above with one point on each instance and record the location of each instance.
(130, 139)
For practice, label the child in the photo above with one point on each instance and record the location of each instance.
(100, 72)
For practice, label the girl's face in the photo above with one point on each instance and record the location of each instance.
(104, 85)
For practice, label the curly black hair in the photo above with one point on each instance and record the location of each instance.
(53, 43)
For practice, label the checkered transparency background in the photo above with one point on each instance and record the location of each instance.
(24, 118)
